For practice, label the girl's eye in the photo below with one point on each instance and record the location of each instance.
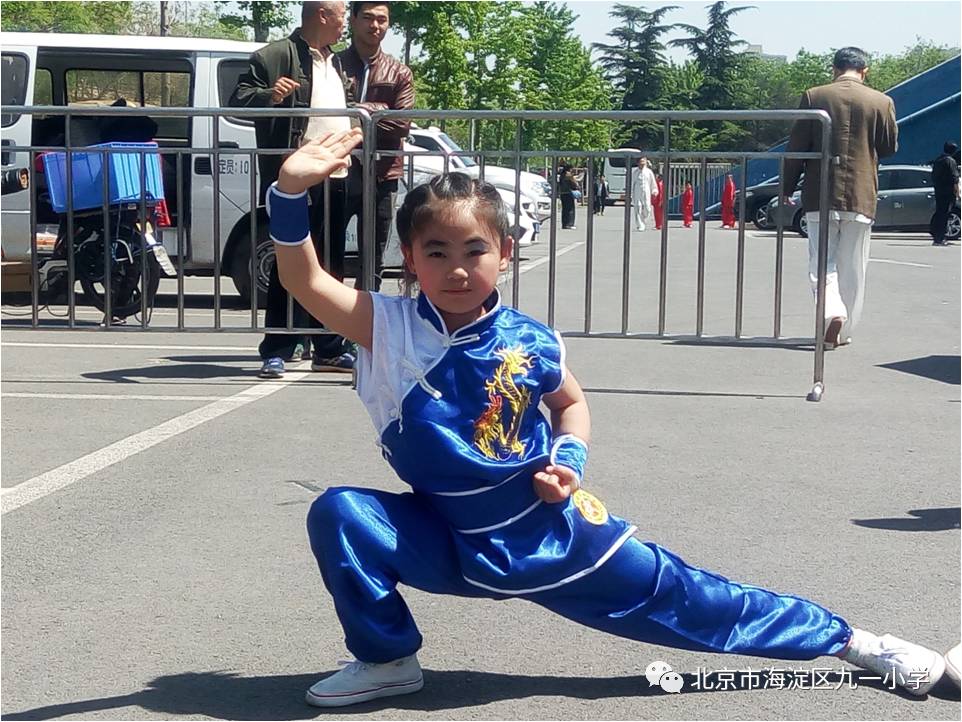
(435, 254)
(476, 252)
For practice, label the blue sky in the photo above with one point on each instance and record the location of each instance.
(782, 28)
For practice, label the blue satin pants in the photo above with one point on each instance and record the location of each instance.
(367, 541)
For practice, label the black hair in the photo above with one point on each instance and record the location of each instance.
(356, 6)
(422, 204)
(850, 58)
(950, 148)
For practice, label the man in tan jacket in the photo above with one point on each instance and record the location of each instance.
(863, 130)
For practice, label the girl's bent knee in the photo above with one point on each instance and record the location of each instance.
(331, 510)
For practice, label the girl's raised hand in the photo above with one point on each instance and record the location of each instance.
(555, 483)
(314, 161)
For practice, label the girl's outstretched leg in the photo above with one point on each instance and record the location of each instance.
(645, 592)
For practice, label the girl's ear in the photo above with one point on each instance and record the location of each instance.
(507, 246)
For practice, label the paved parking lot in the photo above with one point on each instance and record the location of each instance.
(155, 563)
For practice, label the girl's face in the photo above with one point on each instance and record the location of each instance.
(457, 260)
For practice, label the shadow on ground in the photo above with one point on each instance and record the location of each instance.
(942, 519)
(227, 695)
(937, 368)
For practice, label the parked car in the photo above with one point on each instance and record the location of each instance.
(533, 186)
(757, 198)
(906, 202)
(526, 233)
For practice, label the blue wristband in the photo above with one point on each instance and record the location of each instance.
(290, 219)
(568, 450)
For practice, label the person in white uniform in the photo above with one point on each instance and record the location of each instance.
(863, 130)
(643, 186)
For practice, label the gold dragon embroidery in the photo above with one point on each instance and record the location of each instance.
(490, 435)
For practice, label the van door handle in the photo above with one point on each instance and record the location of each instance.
(228, 144)
(202, 166)
(5, 158)
(882, 198)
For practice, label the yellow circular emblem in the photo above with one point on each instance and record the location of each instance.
(590, 507)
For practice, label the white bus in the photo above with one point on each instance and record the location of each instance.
(617, 174)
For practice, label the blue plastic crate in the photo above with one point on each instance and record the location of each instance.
(88, 179)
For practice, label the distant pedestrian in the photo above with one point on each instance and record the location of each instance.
(601, 195)
(658, 201)
(643, 187)
(945, 179)
(567, 185)
(863, 130)
(728, 202)
(688, 204)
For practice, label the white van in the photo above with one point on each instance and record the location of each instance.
(617, 173)
(96, 70)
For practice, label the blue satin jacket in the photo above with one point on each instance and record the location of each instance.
(458, 419)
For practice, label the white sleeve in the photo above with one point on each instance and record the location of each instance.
(378, 381)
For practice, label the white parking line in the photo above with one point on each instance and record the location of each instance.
(105, 397)
(525, 267)
(67, 474)
(128, 346)
(899, 263)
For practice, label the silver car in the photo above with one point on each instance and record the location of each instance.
(906, 202)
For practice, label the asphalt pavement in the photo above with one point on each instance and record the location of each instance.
(155, 563)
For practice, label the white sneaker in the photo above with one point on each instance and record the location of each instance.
(953, 664)
(360, 682)
(911, 666)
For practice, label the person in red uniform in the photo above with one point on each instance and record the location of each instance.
(657, 202)
(728, 203)
(688, 204)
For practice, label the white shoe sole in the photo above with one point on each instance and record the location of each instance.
(347, 698)
(935, 674)
(951, 668)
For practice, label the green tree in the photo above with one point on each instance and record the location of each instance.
(194, 20)
(65, 17)
(259, 16)
(886, 71)
(714, 50)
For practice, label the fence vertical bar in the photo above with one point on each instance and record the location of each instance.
(369, 181)
(254, 291)
(144, 248)
(181, 246)
(108, 246)
(740, 271)
(779, 250)
(34, 255)
(215, 174)
(589, 242)
(700, 301)
(553, 234)
(516, 256)
(626, 254)
(71, 267)
(818, 385)
(663, 269)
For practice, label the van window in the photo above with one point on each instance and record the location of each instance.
(43, 87)
(103, 87)
(13, 74)
(615, 162)
(228, 73)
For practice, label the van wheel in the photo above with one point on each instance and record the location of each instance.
(263, 263)
(801, 224)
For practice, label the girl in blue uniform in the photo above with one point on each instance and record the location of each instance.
(453, 381)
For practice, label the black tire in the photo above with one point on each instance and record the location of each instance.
(126, 277)
(240, 267)
(759, 216)
(952, 228)
(799, 224)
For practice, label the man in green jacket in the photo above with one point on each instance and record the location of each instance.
(300, 71)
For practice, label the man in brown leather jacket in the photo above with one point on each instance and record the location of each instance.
(376, 81)
(863, 130)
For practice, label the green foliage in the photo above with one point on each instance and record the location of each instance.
(887, 71)
(260, 17)
(65, 17)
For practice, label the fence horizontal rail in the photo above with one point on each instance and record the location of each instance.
(216, 177)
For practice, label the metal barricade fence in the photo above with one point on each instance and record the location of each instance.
(706, 165)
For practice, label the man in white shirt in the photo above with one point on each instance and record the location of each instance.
(643, 187)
